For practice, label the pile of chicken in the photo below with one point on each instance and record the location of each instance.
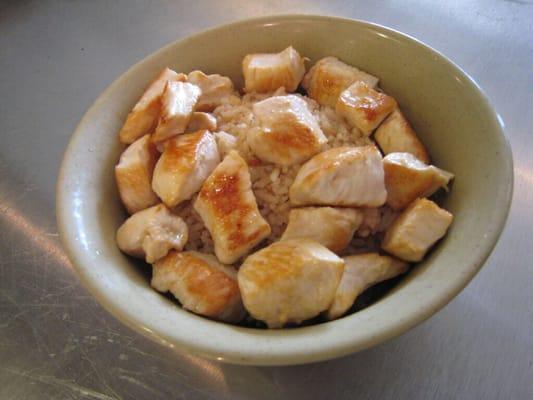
(175, 154)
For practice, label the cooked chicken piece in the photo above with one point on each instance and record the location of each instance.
(329, 77)
(177, 105)
(184, 165)
(200, 121)
(370, 223)
(396, 135)
(407, 178)
(216, 90)
(269, 71)
(360, 272)
(342, 176)
(289, 281)
(331, 227)
(201, 284)
(226, 142)
(416, 229)
(134, 174)
(364, 107)
(287, 133)
(143, 118)
(229, 210)
(151, 233)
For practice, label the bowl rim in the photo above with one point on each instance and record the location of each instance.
(281, 354)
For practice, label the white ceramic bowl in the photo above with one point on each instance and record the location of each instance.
(448, 110)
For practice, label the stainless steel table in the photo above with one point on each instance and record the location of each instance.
(57, 342)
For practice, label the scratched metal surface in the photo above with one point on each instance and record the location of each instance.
(57, 342)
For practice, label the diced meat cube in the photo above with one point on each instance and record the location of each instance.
(329, 77)
(143, 118)
(177, 105)
(216, 90)
(200, 121)
(416, 229)
(370, 223)
(331, 227)
(229, 210)
(152, 233)
(361, 272)
(289, 281)
(133, 174)
(342, 176)
(268, 72)
(364, 107)
(183, 167)
(407, 178)
(201, 284)
(226, 142)
(287, 133)
(395, 135)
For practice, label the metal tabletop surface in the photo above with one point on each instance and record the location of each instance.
(56, 342)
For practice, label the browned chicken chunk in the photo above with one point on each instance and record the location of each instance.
(407, 178)
(151, 233)
(201, 284)
(342, 176)
(395, 135)
(287, 133)
(289, 281)
(329, 77)
(143, 118)
(183, 167)
(331, 227)
(416, 229)
(229, 210)
(134, 175)
(360, 272)
(268, 72)
(364, 107)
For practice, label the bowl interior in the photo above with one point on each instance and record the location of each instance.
(448, 111)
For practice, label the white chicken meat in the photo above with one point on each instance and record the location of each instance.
(361, 272)
(416, 230)
(201, 284)
(200, 121)
(342, 176)
(183, 167)
(287, 131)
(289, 281)
(143, 118)
(395, 135)
(407, 178)
(229, 210)
(133, 174)
(152, 233)
(225, 142)
(268, 72)
(331, 227)
(364, 107)
(177, 105)
(329, 77)
(216, 90)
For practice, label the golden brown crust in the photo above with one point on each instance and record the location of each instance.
(202, 283)
(143, 118)
(395, 134)
(224, 193)
(181, 158)
(364, 107)
(410, 183)
(133, 175)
